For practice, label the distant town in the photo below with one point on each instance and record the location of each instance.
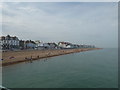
(14, 43)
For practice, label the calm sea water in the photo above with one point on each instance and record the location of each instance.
(91, 69)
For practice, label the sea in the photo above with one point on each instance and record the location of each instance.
(89, 69)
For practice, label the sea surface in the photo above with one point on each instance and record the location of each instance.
(90, 69)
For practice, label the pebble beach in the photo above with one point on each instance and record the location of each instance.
(14, 57)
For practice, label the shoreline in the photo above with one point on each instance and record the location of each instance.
(15, 57)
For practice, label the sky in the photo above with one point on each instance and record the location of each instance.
(92, 23)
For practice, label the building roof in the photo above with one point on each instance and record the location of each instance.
(2, 38)
(8, 37)
(29, 41)
(65, 43)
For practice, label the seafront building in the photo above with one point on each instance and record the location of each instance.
(38, 43)
(67, 45)
(12, 43)
(22, 44)
(9, 42)
(42, 45)
(29, 44)
(50, 45)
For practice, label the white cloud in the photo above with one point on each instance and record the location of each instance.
(28, 9)
(59, 0)
(82, 23)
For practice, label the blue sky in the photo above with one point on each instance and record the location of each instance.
(77, 22)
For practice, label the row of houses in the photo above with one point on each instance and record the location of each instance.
(12, 42)
(67, 45)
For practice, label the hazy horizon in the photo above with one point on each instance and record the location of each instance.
(76, 22)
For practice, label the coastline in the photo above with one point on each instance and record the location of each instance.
(14, 57)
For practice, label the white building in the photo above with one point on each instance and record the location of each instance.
(65, 45)
(37, 43)
(9, 42)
